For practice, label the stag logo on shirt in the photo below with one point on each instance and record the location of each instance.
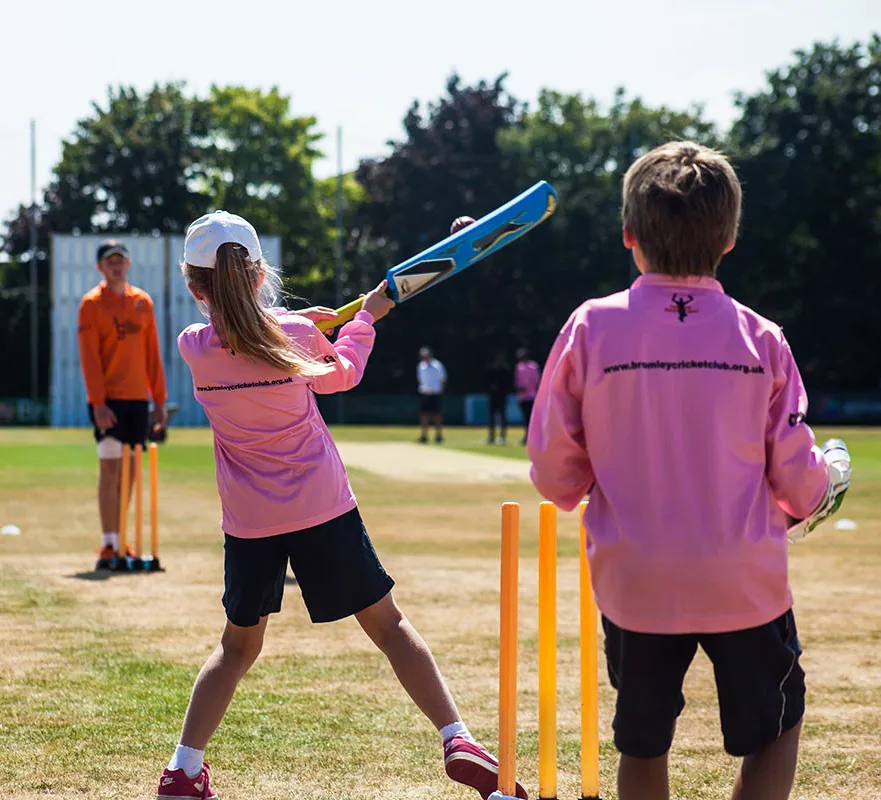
(681, 304)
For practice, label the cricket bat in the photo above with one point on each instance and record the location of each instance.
(461, 250)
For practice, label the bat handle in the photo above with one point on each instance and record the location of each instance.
(344, 314)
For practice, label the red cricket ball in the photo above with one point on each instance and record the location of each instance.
(459, 223)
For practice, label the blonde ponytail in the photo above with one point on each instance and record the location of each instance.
(240, 293)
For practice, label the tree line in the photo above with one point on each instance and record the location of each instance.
(807, 147)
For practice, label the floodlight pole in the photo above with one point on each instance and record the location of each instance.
(35, 333)
(338, 282)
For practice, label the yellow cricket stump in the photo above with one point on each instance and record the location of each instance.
(154, 501)
(508, 649)
(132, 477)
(139, 500)
(590, 735)
(547, 658)
(123, 497)
(547, 652)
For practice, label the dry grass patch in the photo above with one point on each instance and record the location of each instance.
(96, 673)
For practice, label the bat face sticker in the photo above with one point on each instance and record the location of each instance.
(497, 236)
(418, 277)
(511, 230)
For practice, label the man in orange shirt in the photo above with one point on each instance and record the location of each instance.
(122, 368)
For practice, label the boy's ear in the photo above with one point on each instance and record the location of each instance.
(729, 248)
(630, 240)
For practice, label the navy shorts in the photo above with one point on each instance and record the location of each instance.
(335, 565)
(430, 403)
(132, 422)
(759, 682)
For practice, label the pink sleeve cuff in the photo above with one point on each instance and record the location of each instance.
(364, 316)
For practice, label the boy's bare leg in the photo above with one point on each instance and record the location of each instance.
(411, 660)
(217, 681)
(769, 773)
(423, 425)
(643, 778)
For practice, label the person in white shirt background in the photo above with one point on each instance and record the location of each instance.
(431, 377)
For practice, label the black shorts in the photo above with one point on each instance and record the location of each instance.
(430, 403)
(132, 422)
(334, 563)
(498, 403)
(759, 682)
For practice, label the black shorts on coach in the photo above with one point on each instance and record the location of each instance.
(132, 422)
(759, 682)
(334, 563)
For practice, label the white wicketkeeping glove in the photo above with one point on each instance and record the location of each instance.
(838, 460)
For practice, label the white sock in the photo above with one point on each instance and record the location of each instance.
(111, 539)
(455, 729)
(188, 759)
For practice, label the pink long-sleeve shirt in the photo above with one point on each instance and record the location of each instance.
(681, 412)
(527, 376)
(278, 470)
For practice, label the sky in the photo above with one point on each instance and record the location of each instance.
(360, 65)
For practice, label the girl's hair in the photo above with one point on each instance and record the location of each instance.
(240, 293)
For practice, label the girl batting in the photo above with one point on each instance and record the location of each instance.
(285, 494)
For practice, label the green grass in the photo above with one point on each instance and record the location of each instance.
(95, 675)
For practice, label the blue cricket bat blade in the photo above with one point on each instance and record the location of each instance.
(466, 247)
(462, 249)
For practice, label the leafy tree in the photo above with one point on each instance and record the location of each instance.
(809, 150)
(133, 165)
(258, 161)
(448, 164)
(584, 152)
(522, 295)
(154, 161)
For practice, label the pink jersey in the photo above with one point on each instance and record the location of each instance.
(278, 469)
(527, 376)
(682, 412)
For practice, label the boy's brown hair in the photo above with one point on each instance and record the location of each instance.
(681, 202)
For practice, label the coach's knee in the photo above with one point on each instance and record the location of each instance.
(109, 462)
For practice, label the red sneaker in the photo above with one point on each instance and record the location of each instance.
(472, 764)
(106, 557)
(175, 785)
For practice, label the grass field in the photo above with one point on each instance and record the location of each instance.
(95, 671)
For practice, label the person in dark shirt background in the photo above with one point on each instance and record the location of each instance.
(500, 383)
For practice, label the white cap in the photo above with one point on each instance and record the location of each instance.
(210, 231)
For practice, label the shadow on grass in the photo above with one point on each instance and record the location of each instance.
(106, 574)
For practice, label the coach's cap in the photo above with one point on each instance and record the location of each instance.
(111, 247)
(210, 231)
